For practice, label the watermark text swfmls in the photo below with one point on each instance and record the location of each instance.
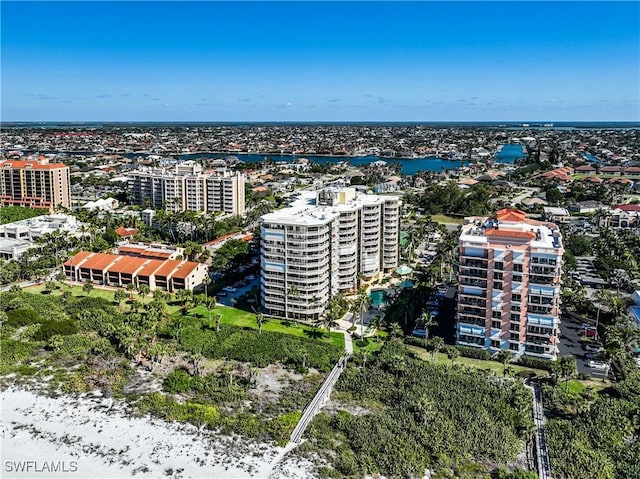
(40, 466)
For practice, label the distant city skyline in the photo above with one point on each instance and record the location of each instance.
(308, 61)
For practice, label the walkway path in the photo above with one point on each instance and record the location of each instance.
(319, 400)
(542, 453)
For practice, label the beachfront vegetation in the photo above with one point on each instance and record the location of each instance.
(435, 416)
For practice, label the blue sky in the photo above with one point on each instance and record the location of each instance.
(304, 61)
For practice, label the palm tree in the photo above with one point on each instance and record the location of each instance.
(260, 319)
(360, 306)
(504, 357)
(395, 330)
(427, 321)
(452, 353)
(437, 343)
(567, 366)
(210, 305)
(206, 281)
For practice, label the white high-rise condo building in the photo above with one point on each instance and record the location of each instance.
(187, 187)
(322, 244)
(509, 284)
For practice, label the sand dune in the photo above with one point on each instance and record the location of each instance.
(93, 437)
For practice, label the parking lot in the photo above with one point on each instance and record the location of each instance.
(229, 295)
(570, 344)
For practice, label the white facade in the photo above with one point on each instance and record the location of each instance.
(19, 236)
(186, 187)
(320, 245)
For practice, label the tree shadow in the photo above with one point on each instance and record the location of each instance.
(314, 334)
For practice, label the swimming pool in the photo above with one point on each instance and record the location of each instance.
(378, 297)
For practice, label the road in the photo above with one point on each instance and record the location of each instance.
(542, 453)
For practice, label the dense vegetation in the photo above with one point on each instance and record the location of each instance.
(9, 214)
(261, 349)
(450, 199)
(422, 416)
(595, 437)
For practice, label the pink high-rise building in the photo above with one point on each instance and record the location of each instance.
(509, 284)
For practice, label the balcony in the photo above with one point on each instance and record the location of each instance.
(473, 302)
(474, 263)
(471, 321)
(480, 313)
(473, 273)
(545, 280)
(473, 282)
(539, 270)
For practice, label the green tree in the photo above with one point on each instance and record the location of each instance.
(504, 357)
(119, 295)
(87, 287)
(452, 353)
(436, 343)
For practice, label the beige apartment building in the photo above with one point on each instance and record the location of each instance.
(509, 284)
(187, 187)
(34, 184)
(322, 244)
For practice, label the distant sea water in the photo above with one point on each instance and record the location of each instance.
(410, 166)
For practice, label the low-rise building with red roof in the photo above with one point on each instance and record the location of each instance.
(121, 270)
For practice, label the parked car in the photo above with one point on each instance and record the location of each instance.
(251, 277)
(229, 289)
(594, 348)
(597, 365)
(221, 294)
(590, 333)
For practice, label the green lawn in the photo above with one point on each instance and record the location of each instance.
(244, 319)
(447, 219)
(96, 292)
(494, 366)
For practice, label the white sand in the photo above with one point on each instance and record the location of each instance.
(91, 437)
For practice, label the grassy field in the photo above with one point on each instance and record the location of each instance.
(447, 219)
(494, 366)
(244, 319)
(96, 292)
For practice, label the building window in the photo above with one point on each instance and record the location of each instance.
(515, 317)
(497, 276)
(496, 314)
(516, 297)
(514, 327)
(497, 285)
(495, 324)
(517, 278)
(498, 265)
(514, 346)
(514, 336)
(495, 343)
(517, 268)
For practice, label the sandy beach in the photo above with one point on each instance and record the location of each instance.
(92, 437)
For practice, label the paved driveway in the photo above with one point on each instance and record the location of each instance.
(570, 345)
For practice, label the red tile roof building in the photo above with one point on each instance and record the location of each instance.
(509, 281)
(121, 270)
(34, 184)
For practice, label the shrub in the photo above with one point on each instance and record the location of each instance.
(60, 328)
(475, 353)
(536, 363)
(178, 381)
(22, 317)
(362, 343)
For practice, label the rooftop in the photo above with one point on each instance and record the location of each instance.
(511, 226)
(304, 210)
